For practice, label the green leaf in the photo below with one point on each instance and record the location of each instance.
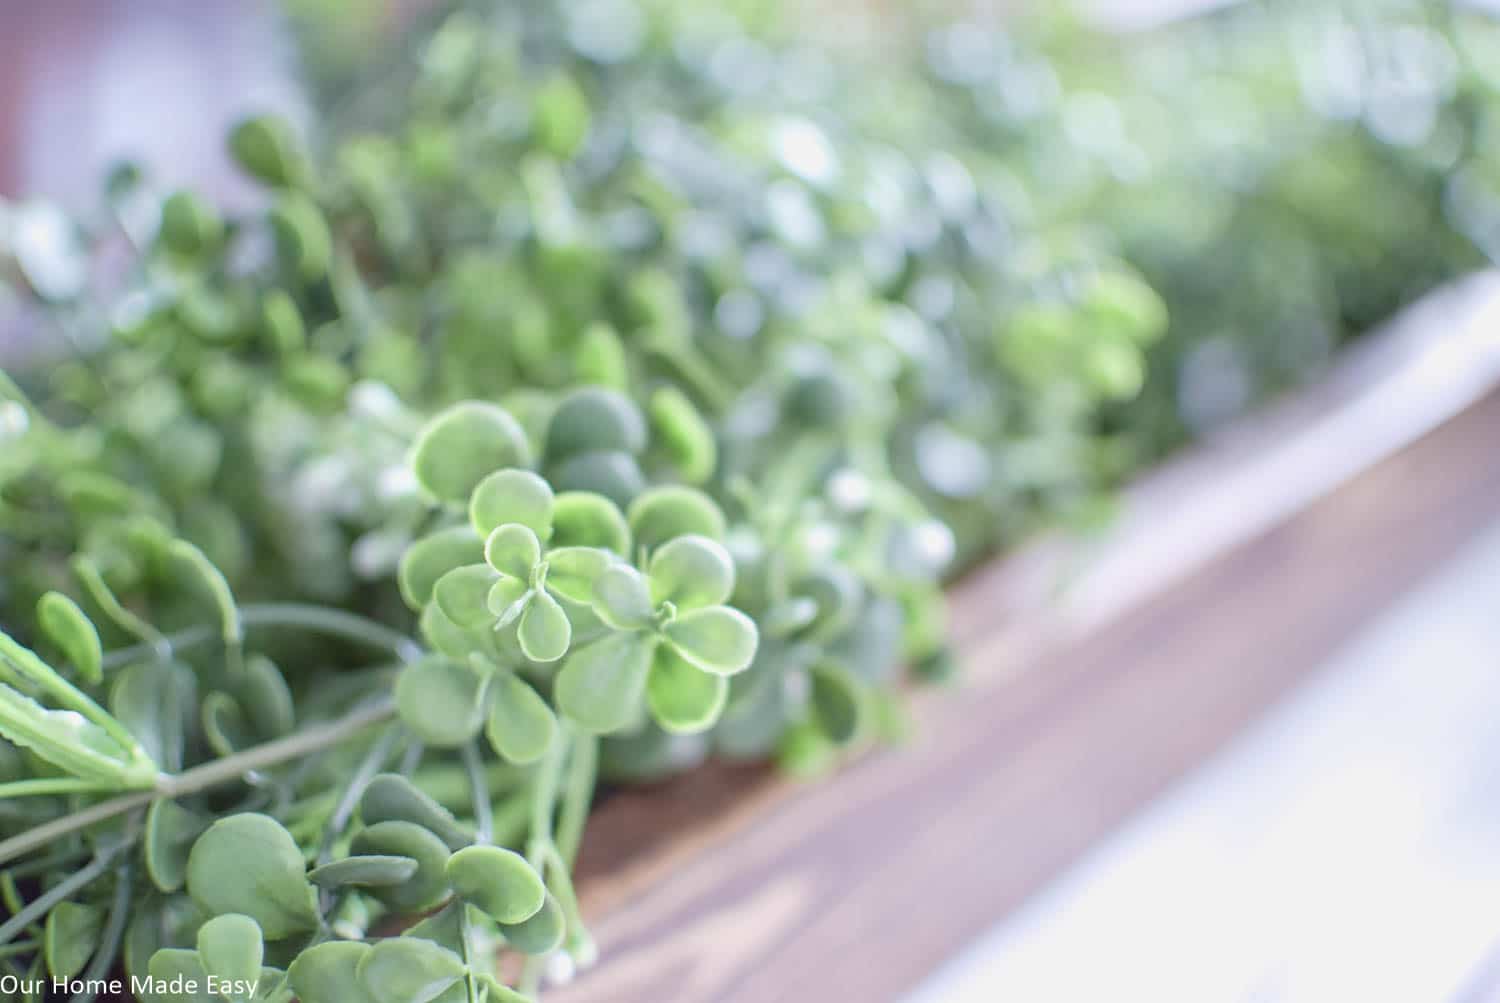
(406, 839)
(463, 594)
(269, 151)
(545, 632)
(249, 864)
(572, 571)
(266, 699)
(65, 739)
(839, 704)
(446, 637)
(498, 881)
(390, 797)
(175, 967)
(189, 225)
(329, 973)
(600, 358)
(507, 600)
(225, 726)
(717, 639)
(595, 419)
(622, 598)
(303, 240)
(68, 627)
(584, 519)
(231, 950)
(461, 446)
(71, 937)
(438, 699)
(408, 970)
(840, 598)
(521, 724)
(433, 556)
(155, 702)
(691, 571)
(601, 685)
(685, 437)
(366, 871)
(512, 496)
(171, 831)
(615, 475)
(673, 510)
(513, 549)
(212, 581)
(683, 698)
(540, 933)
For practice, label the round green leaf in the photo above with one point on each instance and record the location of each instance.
(541, 933)
(302, 236)
(717, 639)
(189, 225)
(390, 797)
(265, 698)
(328, 973)
(521, 724)
(545, 632)
(595, 419)
(572, 571)
(513, 549)
(249, 864)
(684, 435)
(438, 699)
(601, 685)
(406, 839)
(173, 966)
(408, 970)
(622, 598)
(673, 510)
(70, 938)
(611, 473)
(691, 571)
(498, 881)
(268, 150)
(68, 627)
(512, 496)
(230, 948)
(463, 594)
(838, 702)
(507, 600)
(683, 698)
(461, 446)
(155, 701)
(171, 831)
(584, 519)
(432, 557)
(366, 871)
(446, 637)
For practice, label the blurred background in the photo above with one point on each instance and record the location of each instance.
(1288, 176)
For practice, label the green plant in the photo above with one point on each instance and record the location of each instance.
(570, 410)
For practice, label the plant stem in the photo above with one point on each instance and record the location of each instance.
(343, 809)
(42, 904)
(53, 785)
(109, 942)
(484, 817)
(211, 774)
(578, 795)
(543, 809)
(322, 619)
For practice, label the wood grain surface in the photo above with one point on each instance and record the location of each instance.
(861, 885)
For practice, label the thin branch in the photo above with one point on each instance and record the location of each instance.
(208, 775)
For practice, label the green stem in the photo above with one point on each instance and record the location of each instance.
(479, 785)
(578, 795)
(109, 942)
(321, 619)
(42, 904)
(543, 808)
(53, 785)
(343, 809)
(212, 774)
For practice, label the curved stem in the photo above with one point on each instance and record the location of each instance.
(211, 774)
(321, 619)
(53, 785)
(578, 795)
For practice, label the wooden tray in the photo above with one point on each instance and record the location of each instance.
(1096, 673)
